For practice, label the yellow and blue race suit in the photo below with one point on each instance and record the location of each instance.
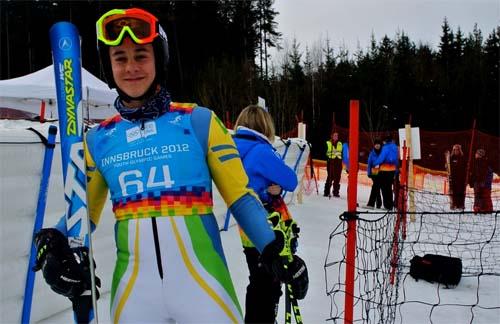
(170, 262)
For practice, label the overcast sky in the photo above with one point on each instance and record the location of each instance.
(351, 22)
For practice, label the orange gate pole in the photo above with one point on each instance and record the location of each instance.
(352, 191)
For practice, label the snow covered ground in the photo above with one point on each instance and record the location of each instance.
(317, 217)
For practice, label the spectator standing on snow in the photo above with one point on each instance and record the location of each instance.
(481, 179)
(333, 165)
(268, 176)
(387, 164)
(457, 171)
(372, 172)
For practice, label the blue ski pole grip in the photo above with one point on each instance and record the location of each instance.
(52, 130)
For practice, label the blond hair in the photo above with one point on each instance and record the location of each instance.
(258, 119)
(458, 147)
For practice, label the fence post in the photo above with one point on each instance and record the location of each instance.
(411, 184)
(302, 135)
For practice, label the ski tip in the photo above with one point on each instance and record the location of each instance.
(63, 24)
(63, 29)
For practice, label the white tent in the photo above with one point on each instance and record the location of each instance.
(27, 92)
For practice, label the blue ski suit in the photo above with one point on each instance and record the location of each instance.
(170, 264)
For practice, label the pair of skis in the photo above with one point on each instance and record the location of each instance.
(65, 45)
(291, 306)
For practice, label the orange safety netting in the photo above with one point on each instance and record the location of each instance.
(430, 169)
(423, 178)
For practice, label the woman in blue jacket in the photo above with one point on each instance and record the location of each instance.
(373, 174)
(268, 175)
(387, 163)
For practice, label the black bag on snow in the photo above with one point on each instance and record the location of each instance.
(437, 268)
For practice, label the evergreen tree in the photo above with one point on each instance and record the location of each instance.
(296, 70)
(492, 81)
(329, 56)
(269, 36)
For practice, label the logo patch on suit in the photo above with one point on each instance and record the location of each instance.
(136, 133)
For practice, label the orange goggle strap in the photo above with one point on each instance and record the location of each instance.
(134, 13)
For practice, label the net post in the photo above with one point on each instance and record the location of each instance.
(404, 193)
(411, 198)
(400, 215)
(352, 190)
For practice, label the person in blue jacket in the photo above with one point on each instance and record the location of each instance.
(158, 160)
(387, 163)
(268, 175)
(345, 157)
(372, 173)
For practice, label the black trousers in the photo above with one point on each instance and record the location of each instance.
(386, 181)
(375, 197)
(458, 193)
(263, 291)
(334, 171)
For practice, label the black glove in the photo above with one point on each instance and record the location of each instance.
(66, 270)
(274, 257)
(298, 277)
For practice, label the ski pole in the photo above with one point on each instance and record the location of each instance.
(39, 216)
(226, 221)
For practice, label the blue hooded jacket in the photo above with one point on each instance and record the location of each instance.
(388, 160)
(345, 156)
(371, 159)
(262, 163)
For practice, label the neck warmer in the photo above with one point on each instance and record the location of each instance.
(156, 106)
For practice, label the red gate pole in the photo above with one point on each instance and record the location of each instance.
(227, 122)
(469, 159)
(352, 192)
(42, 111)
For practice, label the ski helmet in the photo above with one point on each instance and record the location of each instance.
(143, 28)
(299, 278)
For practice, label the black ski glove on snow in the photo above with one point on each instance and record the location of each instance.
(298, 277)
(66, 270)
(274, 257)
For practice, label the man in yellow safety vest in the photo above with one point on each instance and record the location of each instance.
(333, 165)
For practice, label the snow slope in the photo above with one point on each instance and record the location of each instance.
(21, 156)
(318, 216)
